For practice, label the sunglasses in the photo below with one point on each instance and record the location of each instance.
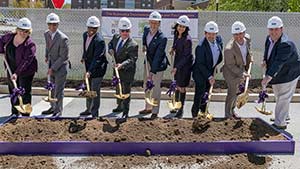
(126, 30)
(24, 30)
(53, 24)
(91, 28)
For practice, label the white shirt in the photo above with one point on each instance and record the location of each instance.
(272, 43)
(52, 34)
(150, 37)
(119, 41)
(244, 50)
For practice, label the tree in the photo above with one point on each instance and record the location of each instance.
(26, 4)
(294, 6)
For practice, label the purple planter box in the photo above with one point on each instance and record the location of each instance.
(156, 148)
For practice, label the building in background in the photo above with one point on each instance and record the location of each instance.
(139, 4)
(4, 3)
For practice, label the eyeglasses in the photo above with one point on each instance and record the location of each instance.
(24, 30)
(126, 30)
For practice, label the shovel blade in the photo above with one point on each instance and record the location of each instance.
(242, 100)
(263, 112)
(174, 105)
(24, 109)
(122, 96)
(152, 101)
(49, 99)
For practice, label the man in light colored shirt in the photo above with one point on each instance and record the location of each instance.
(208, 56)
(237, 57)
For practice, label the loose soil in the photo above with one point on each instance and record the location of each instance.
(138, 130)
(164, 130)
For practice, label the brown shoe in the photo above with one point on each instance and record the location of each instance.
(145, 111)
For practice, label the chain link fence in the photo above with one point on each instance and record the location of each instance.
(73, 25)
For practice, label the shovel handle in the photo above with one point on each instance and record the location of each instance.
(247, 78)
(87, 83)
(119, 84)
(146, 64)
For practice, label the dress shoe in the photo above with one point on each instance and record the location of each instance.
(47, 112)
(117, 110)
(173, 111)
(145, 111)
(279, 127)
(179, 113)
(85, 113)
(273, 119)
(153, 116)
(125, 114)
(57, 114)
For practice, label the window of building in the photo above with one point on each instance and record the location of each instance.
(88, 2)
(130, 4)
(143, 5)
(79, 1)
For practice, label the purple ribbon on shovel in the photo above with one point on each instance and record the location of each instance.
(241, 88)
(172, 88)
(204, 99)
(81, 87)
(49, 86)
(16, 93)
(149, 85)
(262, 96)
(115, 81)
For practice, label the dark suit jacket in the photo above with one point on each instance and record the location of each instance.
(94, 57)
(284, 62)
(127, 57)
(156, 55)
(203, 67)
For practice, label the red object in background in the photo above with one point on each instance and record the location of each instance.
(58, 3)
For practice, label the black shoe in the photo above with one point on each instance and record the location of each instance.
(279, 127)
(273, 119)
(179, 113)
(47, 112)
(58, 114)
(153, 116)
(85, 113)
(117, 110)
(173, 111)
(145, 111)
(125, 114)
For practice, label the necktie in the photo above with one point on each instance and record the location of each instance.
(120, 46)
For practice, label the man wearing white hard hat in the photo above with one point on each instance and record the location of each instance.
(183, 60)
(124, 49)
(95, 63)
(208, 56)
(237, 58)
(154, 44)
(20, 52)
(56, 56)
(282, 64)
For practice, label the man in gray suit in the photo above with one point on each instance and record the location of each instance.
(57, 55)
(125, 51)
(237, 57)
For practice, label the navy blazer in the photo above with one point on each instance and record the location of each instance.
(156, 55)
(94, 57)
(203, 67)
(283, 64)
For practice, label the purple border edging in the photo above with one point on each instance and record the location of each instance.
(156, 148)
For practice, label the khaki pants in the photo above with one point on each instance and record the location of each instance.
(156, 89)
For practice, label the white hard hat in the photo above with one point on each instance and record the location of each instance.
(238, 27)
(184, 20)
(211, 27)
(124, 23)
(93, 22)
(24, 23)
(155, 16)
(52, 18)
(275, 22)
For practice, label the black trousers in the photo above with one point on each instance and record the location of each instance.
(200, 89)
(26, 83)
(126, 89)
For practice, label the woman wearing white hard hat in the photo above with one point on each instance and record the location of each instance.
(208, 56)
(237, 58)
(95, 63)
(281, 60)
(57, 58)
(154, 44)
(20, 50)
(124, 49)
(183, 61)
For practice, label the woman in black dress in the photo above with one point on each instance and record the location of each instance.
(182, 67)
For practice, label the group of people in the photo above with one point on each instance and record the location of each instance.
(281, 62)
